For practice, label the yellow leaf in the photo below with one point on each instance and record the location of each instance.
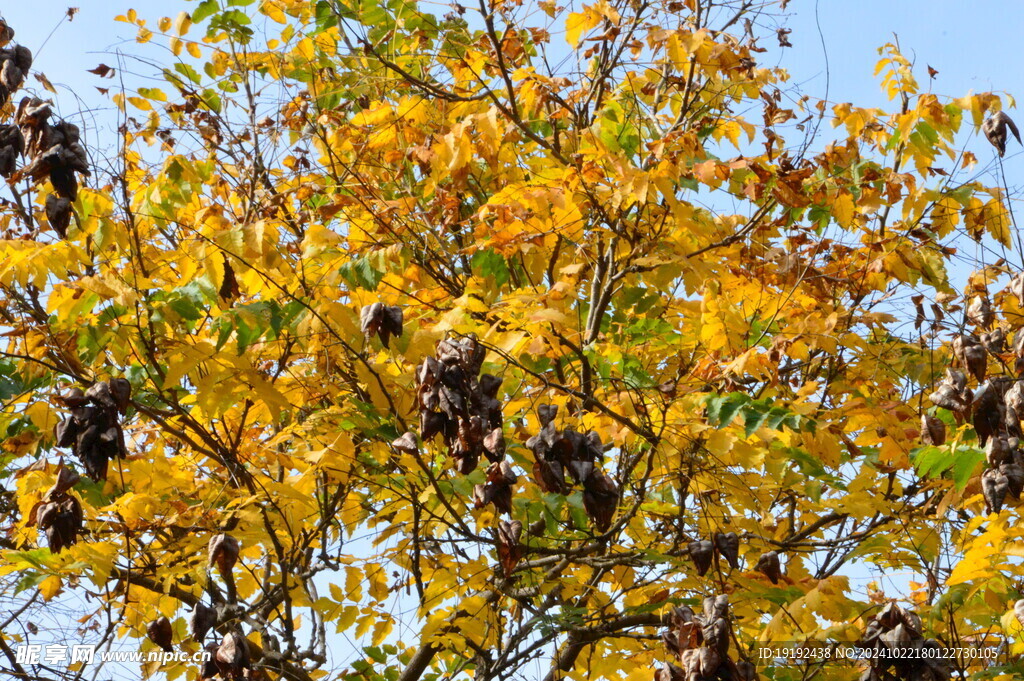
(43, 416)
(579, 23)
(50, 587)
(182, 23)
(842, 209)
(305, 48)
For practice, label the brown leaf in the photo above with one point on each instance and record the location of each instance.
(45, 82)
(103, 71)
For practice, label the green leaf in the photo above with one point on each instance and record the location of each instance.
(206, 9)
(753, 418)
(964, 466)
(490, 263)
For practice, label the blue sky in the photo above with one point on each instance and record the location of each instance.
(973, 48)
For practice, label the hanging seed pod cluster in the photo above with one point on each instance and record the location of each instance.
(54, 150)
(93, 430)
(381, 320)
(700, 645)
(561, 453)
(55, 153)
(461, 405)
(899, 650)
(231, 658)
(704, 551)
(995, 406)
(15, 62)
(59, 515)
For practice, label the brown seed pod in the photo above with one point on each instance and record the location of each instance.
(160, 632)
(670, 672)
(60, 521)
(203, 619)
(210, 670)
(728, 544)
(223, 552)
(995, 341)
(702, 552)
(988, 412)
(700, 663)
(74, 398)
(382, 321)
(550, 476)
(546, 413)
(933, 430)
(12, 144)
(769, 565)
(510, 552)
(233, 654)
(494, 445)
(997, 450)
(994, 487)
(66, 479)
(945, 396)
(976, 360)
(600, 499)
(716, 635)
(101, 395)
(58, 214)
(979, 312)
(716, 607)
(370, 318)
(6, 33)
(407, 444)
(995, 127)
(1014, 478)
(745, 671)
(489, 385)
(121, 391)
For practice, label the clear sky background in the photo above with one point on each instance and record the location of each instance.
(973, 46)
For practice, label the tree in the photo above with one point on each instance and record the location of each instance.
(500, 343)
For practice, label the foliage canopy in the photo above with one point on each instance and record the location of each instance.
(485, 341)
